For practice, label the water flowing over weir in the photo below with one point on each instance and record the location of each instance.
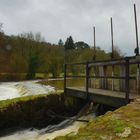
(61, 129)
(11, 90)
(19, 89)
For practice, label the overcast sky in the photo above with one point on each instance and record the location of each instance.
(56, 19)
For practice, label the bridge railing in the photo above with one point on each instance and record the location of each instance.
(106, 74)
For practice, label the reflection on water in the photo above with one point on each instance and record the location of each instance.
(59, 83)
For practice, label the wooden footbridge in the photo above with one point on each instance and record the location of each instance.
(110, 82)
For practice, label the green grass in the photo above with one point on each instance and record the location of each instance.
(6, 103)
(117, 126)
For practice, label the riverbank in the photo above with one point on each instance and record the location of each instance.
(36, 111)
(121, 124)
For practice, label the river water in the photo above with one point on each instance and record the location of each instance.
(11, 90)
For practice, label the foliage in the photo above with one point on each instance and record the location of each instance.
(81, 45)
(60, 43)
(28, 53)
(33, 65)
(69, 44)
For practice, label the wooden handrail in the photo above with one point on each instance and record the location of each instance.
(132, 60)
(108, 77)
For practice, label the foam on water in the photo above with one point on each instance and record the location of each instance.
(8, 92)
(62, 129)
(19, 89)
(32, 88)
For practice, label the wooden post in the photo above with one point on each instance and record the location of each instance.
(137, 48)
(127, 80)
(112, 38)
(122, 74)
(105, 79)
(136, 28)
(65, 77)
(138, 79)
(94, 57)
(87, 78)
(94, 79)
(102, 73)
(112, 76)
(112, 55)
(139, 82)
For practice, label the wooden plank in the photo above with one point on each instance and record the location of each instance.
(107, 100)
(133, 60)
(107, 63)
(102, 73)
(103, 92)
(76, 93)
(122, 81)
(111, 98)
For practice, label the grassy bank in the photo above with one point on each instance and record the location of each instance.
(6, 77)
(34, 111)
(122, 124)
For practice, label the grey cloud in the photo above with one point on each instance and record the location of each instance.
(60, 18)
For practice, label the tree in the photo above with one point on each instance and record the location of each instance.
(60, 43)
(81, 45)
(38, 37)
(33, 64)
(56, 62)
(2, 36)
(1, 26)
(69, 44)
(116, 53)
(33, 36)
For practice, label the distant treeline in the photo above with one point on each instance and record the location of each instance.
(25, 55)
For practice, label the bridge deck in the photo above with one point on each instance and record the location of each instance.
(108, 97)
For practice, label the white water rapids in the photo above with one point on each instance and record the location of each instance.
(11, 90)
(18, 89)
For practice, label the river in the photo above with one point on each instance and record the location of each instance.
(11, 90)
